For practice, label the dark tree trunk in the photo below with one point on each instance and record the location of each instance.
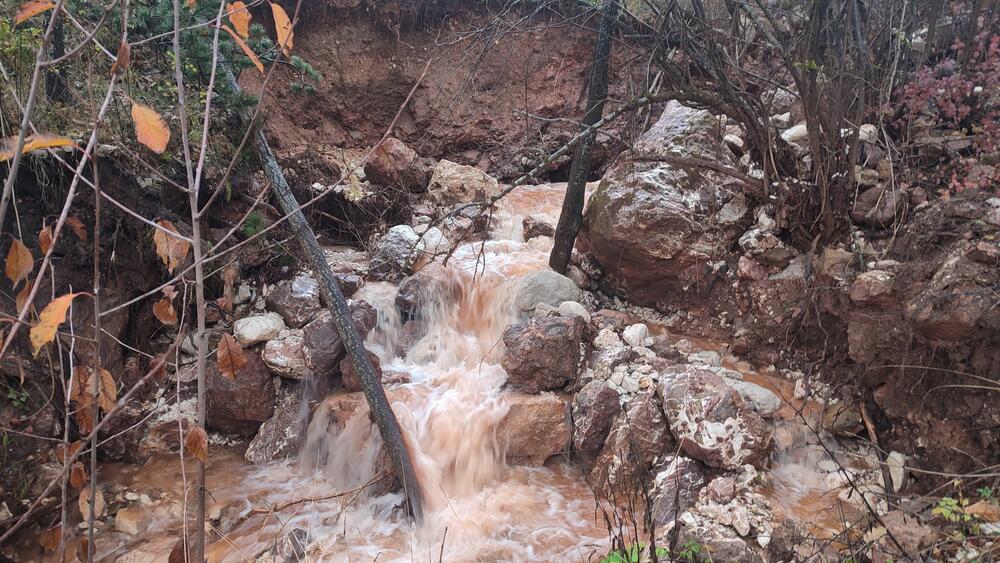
(381, 412)
(55, 78)
(571, 216)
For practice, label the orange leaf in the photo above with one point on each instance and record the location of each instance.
(246, 49)
(31, 9)
(196, 443)
(283, 27)
(150, 129)
(84, 502)
(77, 226)
(172, 250)
(45, 239)
(49, 539)
(239, 16)
(65, 453)
(22, 298)
(984, 510)
(123, 59)
(53, 315)
(109, 392)
(164, 311)
(20, 262)
(192, 3)
(230, 357)
(85, 419)
(77, 476)
(81, 376)
(32, 143)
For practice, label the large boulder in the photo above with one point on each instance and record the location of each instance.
(395, 253)
(640, 435)
(654, 224)
(544, 286)
(240, 405)
(323, 347)
(279, 436)
(710, 419)
(594, 410)
(453, 183)
(396, 165)
(675, 488)
(543, 353)
(296, 300)
(535, 428)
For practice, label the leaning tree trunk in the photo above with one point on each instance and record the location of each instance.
(571, 216)
(385, 419)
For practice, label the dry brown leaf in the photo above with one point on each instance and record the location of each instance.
(31, 9)
(246, 49)
(172, 250)
(32, 143)
(123, 60)
(230, 357)
(196, 443)
(20, 262)
(82, 549)
(21, 300)
(45, 239)
(150, 129)
(78, 228)
(66, 452)
(81, 377)
(53, 315)
(984, 510)
(164, 311)
(49, 539)
(77, 475)
(85, 419)
(283, 27)
(108, 397)
(240, 17)
(84, 502)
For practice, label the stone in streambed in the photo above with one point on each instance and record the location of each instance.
(296, 300)
(278, 437)
(240, 406)
(395, 253)
(544, 286)
(543, 353)
(594, 410)
(286, 355)
(258, 328)
(535, 428)
(349, 376)
(323, 347)
(535, 227)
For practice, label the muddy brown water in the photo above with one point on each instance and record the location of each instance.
(479, 508)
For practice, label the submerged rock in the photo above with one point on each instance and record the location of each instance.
(543, 353)
(535, 227)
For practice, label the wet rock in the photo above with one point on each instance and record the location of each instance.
(411, 293)
(873, 288)
(572, 308)
(543, 353)
(409, 335)
(258, 328)
(607, 338)
(653, 225)
(349, 376)
(721, 541)
(323, 347)
(535, 227)
(635, 335)
(842, 418)
(296, 300)
(535, 428)
(675, 488)
(131, 520)
(348, 283)
(396, 165)
(544, 286)
(286, 355)
(279, 436)
(710, 419)
(640, 435)
(594, 411)
(453, 183)
(604, 362)
(240, 406)
(395, 253)
(432, 239)
(760, 398)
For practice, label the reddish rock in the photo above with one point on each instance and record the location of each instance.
(535, 428)
(639, 437)
(349, 376)
(873, 288)
(594, 411)
(279, 436)
(675, 488)
(296, 300)
(240, 406)
(543, 353)
(396, 165)
(750, 269)
(535, 227)
(323, 347)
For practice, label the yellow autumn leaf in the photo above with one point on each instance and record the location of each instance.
(20, 262)
(33, 143)
(239, 16)
(283, 27)
(150, 129)
(31, 9)
(172, 250)
(246, 49)
(53, 315)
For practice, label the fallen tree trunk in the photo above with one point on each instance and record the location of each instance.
(385, 419)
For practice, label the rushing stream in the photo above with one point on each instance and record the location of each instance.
(479, 507)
